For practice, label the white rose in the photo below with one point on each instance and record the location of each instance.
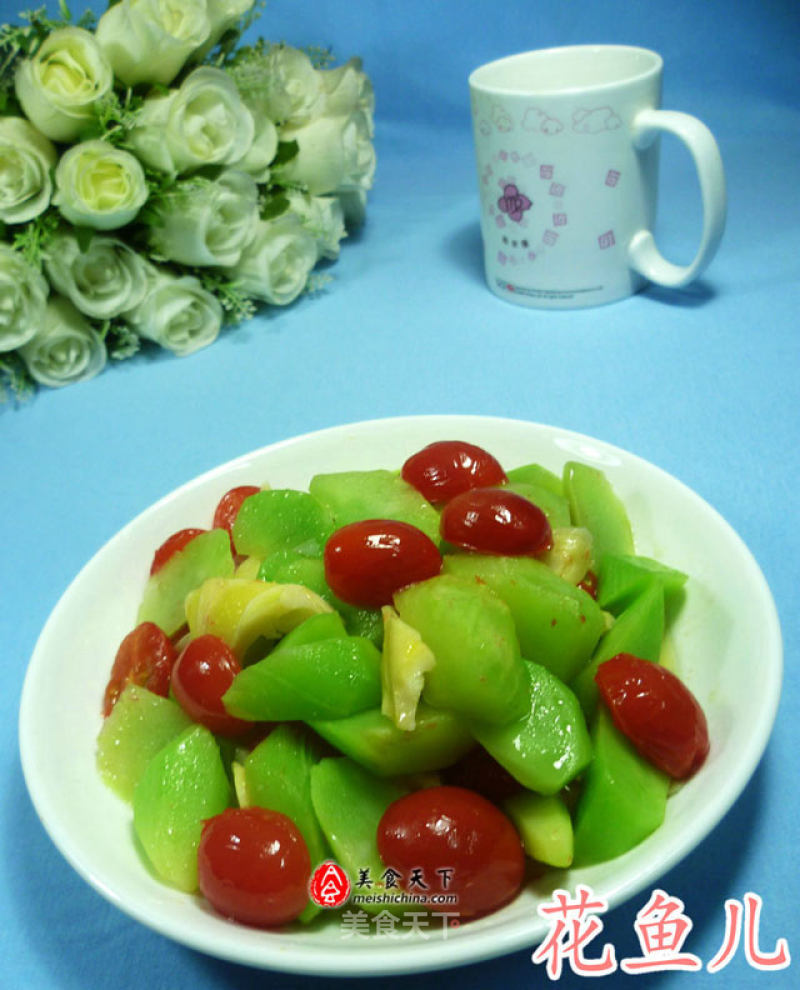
(334, 154)
(59, 84)
(283, 83)
(102, 278)
(203, 123)
(322, 217)
(354, 206)
(26, 159)
(23, 298)
(347, 88)
(148, 139)
(65, 348)
(177, 313)
(100, 186)
(276, 264)
(148, 41)
(204, 222)
(262, 151)
(222, 15)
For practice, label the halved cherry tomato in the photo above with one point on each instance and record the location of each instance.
(145, 657)
(495, 521)
(202, 674)
(367, 562)
(656, 711)
(458, 841)
(228, 508)
(171, 546)
(449, 467)
(253, 866)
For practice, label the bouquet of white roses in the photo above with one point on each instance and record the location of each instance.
(158, 179)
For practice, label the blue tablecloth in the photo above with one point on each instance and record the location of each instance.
(703, 382)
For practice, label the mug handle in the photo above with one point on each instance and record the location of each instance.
(643, 254)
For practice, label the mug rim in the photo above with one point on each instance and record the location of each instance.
(653, 68)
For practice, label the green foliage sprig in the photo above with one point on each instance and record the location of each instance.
(15, 382)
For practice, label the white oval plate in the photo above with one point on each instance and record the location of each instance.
(729, 617)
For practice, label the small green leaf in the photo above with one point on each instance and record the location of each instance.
(287, 150)
(84, 237)
(273, 206)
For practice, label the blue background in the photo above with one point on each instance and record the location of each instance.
(703, 382)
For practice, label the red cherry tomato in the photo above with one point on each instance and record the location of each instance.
(202, 674)
(367, 562)
(228, 508)
(145, 657)
(495, 521)
(456, 830)
(171, 546)
(449, 467)
(656, 711)
(253, 866)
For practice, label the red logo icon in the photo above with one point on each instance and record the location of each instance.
(329, 885)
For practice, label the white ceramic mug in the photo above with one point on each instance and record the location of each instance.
(567, 151)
